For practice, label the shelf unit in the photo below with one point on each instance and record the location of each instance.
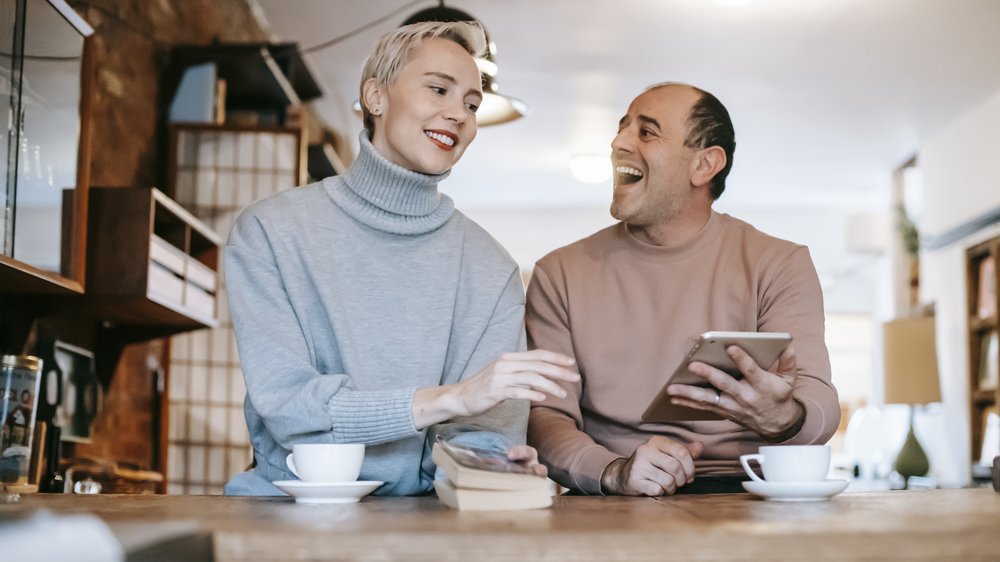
(215, 172)
(984, 331)
(151, 263)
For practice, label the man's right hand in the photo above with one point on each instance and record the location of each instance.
(658, 467)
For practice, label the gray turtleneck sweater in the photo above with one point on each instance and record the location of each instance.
(349, 294)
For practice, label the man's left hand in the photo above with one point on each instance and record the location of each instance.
(762, 400)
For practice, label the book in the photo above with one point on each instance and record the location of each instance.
(986, 300)
(481, 480)
(470, 467)
(476, 499)
(195, 98)
(991, 436)
(989, 362)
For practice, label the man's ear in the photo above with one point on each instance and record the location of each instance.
(706, 163)
(372, 96)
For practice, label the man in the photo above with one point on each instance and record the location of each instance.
(628, 302)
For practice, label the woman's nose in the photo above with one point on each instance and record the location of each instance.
(456, 112)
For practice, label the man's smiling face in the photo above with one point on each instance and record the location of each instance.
(651, 163)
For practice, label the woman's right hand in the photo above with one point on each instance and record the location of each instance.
(528, 375)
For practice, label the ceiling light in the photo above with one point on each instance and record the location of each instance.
(591, 168)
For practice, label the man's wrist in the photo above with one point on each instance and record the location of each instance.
(798, 420)
(611, 476)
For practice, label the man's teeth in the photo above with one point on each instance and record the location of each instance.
(628, 170)
(443, 139)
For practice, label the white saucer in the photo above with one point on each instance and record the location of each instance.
(796, 491)
(327, 492)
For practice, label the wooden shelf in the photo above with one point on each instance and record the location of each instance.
(982, 284)
(979, 325)
(984, 397)
(257, 75)
(20, 278)
(150, 262)
(981, 250)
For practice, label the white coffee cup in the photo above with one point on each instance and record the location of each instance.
(790, 463)
(326, 462)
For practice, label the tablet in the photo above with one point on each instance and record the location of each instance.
(710, 348)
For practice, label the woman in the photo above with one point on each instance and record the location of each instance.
(368, 310)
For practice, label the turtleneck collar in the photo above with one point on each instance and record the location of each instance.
(388, 197)
(666, 254)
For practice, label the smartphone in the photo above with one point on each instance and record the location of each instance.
(710, 348)
(483, 459)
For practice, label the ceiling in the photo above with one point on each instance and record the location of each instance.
(827, 97)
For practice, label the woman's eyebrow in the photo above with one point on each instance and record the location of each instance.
(451, 79)
(442, 75)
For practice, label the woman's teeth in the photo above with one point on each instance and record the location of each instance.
(443, 139)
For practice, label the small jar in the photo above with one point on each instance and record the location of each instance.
(20, 376)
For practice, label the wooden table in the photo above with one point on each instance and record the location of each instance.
(914, 525)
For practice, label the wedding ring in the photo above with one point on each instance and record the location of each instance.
(718, 396)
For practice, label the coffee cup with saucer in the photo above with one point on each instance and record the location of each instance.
(792, 473)
(328, 473)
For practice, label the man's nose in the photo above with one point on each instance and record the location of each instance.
(622, 141)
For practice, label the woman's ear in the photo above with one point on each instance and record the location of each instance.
(372, 97)
(707, 162)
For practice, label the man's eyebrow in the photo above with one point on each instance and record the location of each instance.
(451, 79)
(650, 121)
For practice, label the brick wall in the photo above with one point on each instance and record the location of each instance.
(131, 45)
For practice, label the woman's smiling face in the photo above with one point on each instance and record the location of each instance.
(426, 118)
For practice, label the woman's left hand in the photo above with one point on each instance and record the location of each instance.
(527, 456)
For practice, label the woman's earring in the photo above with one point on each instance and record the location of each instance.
(376, 111)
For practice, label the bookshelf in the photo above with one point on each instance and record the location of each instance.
(984, 337)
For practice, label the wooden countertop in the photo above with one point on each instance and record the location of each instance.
(902, 525)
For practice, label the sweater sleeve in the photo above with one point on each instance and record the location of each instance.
(295, 401)
(793, 302)
(503, 334)
(574, 459)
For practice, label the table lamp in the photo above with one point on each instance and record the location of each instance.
(911, 377)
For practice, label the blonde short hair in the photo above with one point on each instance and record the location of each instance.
(395, 48)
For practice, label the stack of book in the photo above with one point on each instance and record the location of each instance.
(480, 480)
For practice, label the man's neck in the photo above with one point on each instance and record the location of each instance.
(676, 231)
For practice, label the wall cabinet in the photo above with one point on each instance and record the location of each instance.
(44, 147)
(151, 263)
(984, 340)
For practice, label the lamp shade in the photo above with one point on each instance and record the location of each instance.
(910, 355)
